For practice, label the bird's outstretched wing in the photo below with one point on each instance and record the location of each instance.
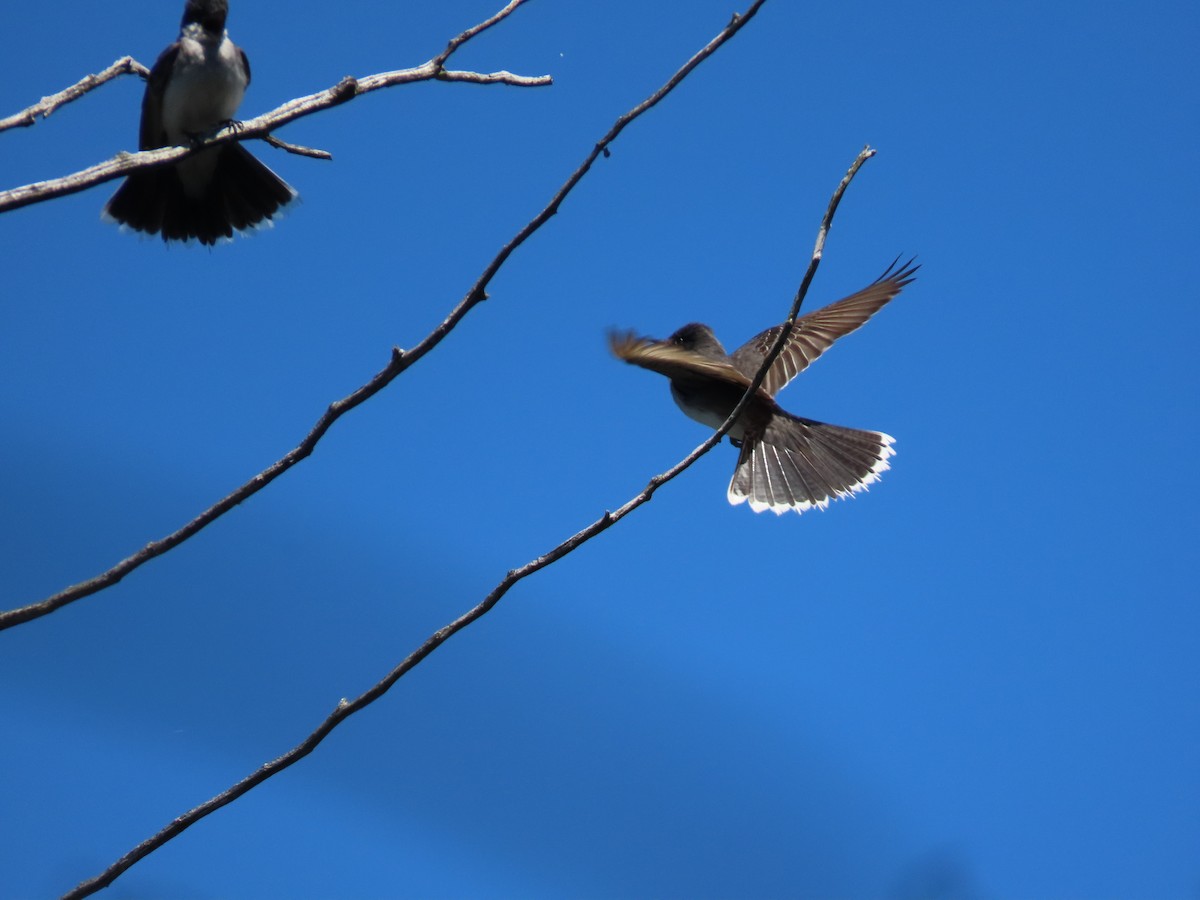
(815, 333)
(670, 360)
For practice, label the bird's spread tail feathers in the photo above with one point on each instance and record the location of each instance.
(798, 464)
(241, 194)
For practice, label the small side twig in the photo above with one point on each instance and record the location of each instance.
(459, 40)
(126, 65)
(311, 152)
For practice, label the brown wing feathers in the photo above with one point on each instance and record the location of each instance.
(816, 332)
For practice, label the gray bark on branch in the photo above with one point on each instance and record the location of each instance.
(126, 65)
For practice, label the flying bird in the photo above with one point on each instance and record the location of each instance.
(195, 88)
(787, 462)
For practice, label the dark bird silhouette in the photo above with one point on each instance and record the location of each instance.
(195, 88)
(786, 462)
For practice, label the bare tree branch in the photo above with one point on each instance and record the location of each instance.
(455, 43)
(345, 90)
(126, 65)
(400, 361)
(801, 292)
(347, 708)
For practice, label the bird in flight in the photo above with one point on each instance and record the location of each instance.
(195, 88)
(787, 462)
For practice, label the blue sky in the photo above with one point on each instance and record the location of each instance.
(978, 680)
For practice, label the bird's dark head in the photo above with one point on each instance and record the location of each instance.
(208, 14)
(697, 338)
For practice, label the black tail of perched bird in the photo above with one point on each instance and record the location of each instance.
(194, 88)
(786, 462)
(240, 193)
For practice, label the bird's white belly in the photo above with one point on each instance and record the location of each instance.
(205, 91)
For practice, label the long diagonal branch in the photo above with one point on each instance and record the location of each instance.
(347, 708)
(400, 360)
(345, 90)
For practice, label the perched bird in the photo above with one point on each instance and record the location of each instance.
(786, 462)
(194, 88)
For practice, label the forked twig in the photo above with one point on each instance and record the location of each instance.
(311, 152)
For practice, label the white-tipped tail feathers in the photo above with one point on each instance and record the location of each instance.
(798, 464)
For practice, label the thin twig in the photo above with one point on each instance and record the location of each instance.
(400, 361)
(347, 708)
(342, 92)
(311, 152)
(126, 65)
(455, 43)
(801, 292)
